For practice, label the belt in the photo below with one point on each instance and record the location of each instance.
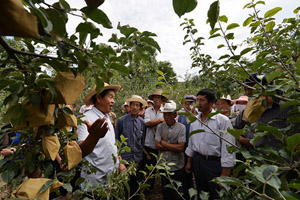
(207, 157)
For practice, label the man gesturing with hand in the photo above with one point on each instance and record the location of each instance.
(96, 137)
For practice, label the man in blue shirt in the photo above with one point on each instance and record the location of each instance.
(132, 127)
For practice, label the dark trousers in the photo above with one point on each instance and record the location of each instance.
(189, 182)
(205, 170)
(169, 193)
(134, 183)
(145, 162)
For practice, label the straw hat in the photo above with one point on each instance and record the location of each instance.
(170, 106)
(123, 105)
(136, 98)
(88, 98)
(158, 92)
(227, 98)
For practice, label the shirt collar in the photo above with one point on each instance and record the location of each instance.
(213, 117)
(160, 109)
(171, 127)
(99, 113)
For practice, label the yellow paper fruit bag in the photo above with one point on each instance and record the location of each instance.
(50, 145)
(31, 189)
(66, 119)
(73, 154)
(254, 109)
(68, 87)
(16, 21)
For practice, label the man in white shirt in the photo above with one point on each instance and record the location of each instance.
(153, 117)
(210, 156)
(96, 137)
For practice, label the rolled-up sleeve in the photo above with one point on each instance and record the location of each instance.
(158, 133)
(82, 131)
(227, 159)
(147, 115)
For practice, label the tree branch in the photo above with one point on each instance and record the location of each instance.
(11, 53)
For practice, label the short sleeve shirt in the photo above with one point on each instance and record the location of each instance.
(101, 157)
(150, 114)
(206, 143)
(172, 134)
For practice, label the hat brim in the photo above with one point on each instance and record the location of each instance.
(164, 99)
(168, 111)
(88, 98)
(143, 102)
(229, 101)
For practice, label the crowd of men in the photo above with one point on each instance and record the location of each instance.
(159, 130)
(152, 127)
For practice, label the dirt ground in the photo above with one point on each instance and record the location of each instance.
(156, 192)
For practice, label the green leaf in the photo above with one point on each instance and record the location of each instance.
(236, 132)
(232, 26)
(272, 12)
(184, 6)
(126, 29)
(68, 187)
(64, 4)
(214, 35)
(297, 64)
(7, 175)
(255, 24)
(293, 142)
(213, 14)
(210, 115)
(287, 53)
(97, 16)
(47, 185)
(223, 18)
(99, 62)
(120, 68)
(192, 118)
(99, 85)
(270, 26)
(248, 21)
(271, 76)
(296, 10)
(67, 111)
(295, 185)
(4, 83)
(269, 129)
(192, 192)
(196, 131)
(224, 56)
(229, 181)
(151, 42)
(160, 78)
(267, 174)
(160, 72)
(220, 46)
(230, 36)
(244, 51)
(58, 20)
(290, 103)
(58, 66)
(2, 161)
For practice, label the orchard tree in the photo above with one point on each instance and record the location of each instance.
(48, 60)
